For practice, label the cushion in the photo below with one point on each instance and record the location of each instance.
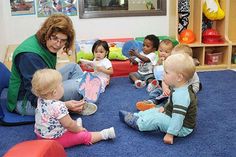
(116, 54)
(4, 77)
(123, 68)
(84, 55)
(37, 148)
(8, 118)
(132, 44)
(120, 68)
(84, 49)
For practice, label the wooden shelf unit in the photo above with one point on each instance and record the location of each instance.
(232, 21)
(225, 27)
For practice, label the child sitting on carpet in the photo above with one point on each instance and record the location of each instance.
(164, 51)
(178, 116)
(52, 119)
(195, 82)
(101, 64)
(156, 95)
(145, 60)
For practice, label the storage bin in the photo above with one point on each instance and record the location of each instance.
(213, 58)
(234, 58)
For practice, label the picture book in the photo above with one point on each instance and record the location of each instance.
(88, 63)
(90, 87)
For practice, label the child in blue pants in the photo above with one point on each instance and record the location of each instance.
(178, 116)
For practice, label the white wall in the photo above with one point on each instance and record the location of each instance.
(3, 34)
(17, 28)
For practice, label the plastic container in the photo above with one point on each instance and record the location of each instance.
(213, 58)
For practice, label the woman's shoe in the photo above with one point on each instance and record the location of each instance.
(89, 109)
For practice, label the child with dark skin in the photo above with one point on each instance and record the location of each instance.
(145, 60)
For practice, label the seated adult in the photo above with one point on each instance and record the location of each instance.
(39, 51)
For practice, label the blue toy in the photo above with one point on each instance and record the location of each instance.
(132, 44)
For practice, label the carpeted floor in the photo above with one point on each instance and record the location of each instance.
(214, 135)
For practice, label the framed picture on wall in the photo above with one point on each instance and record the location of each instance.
(121, 8)
(70, 7)
(22, 7)
(47, 7)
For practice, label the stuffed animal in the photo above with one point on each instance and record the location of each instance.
(212, 10)
(183, 12)
(116, 54)
(187, 36)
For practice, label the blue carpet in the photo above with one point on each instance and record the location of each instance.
(214, 135)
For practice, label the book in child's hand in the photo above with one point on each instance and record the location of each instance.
(90, 87)
(88, 63)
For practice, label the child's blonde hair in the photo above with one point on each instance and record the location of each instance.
(181, 63)
(168, 44)
(183, 48)
(45, 81)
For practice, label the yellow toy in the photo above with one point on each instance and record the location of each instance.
(212, 10)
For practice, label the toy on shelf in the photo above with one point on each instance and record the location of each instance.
(187, 36)
(212, 10)
(211, 36)
(183, 12)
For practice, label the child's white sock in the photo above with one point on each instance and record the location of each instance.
(79, 122)
(108, 133)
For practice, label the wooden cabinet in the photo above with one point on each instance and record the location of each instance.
(225, 27)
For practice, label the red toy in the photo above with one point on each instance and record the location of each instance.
(37, 148)
(211, 36)
(187, 36)
(120, 68)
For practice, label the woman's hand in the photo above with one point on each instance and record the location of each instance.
(75, 106)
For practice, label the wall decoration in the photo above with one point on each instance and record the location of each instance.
(70, 7)
(22, 7)
(47, 7)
